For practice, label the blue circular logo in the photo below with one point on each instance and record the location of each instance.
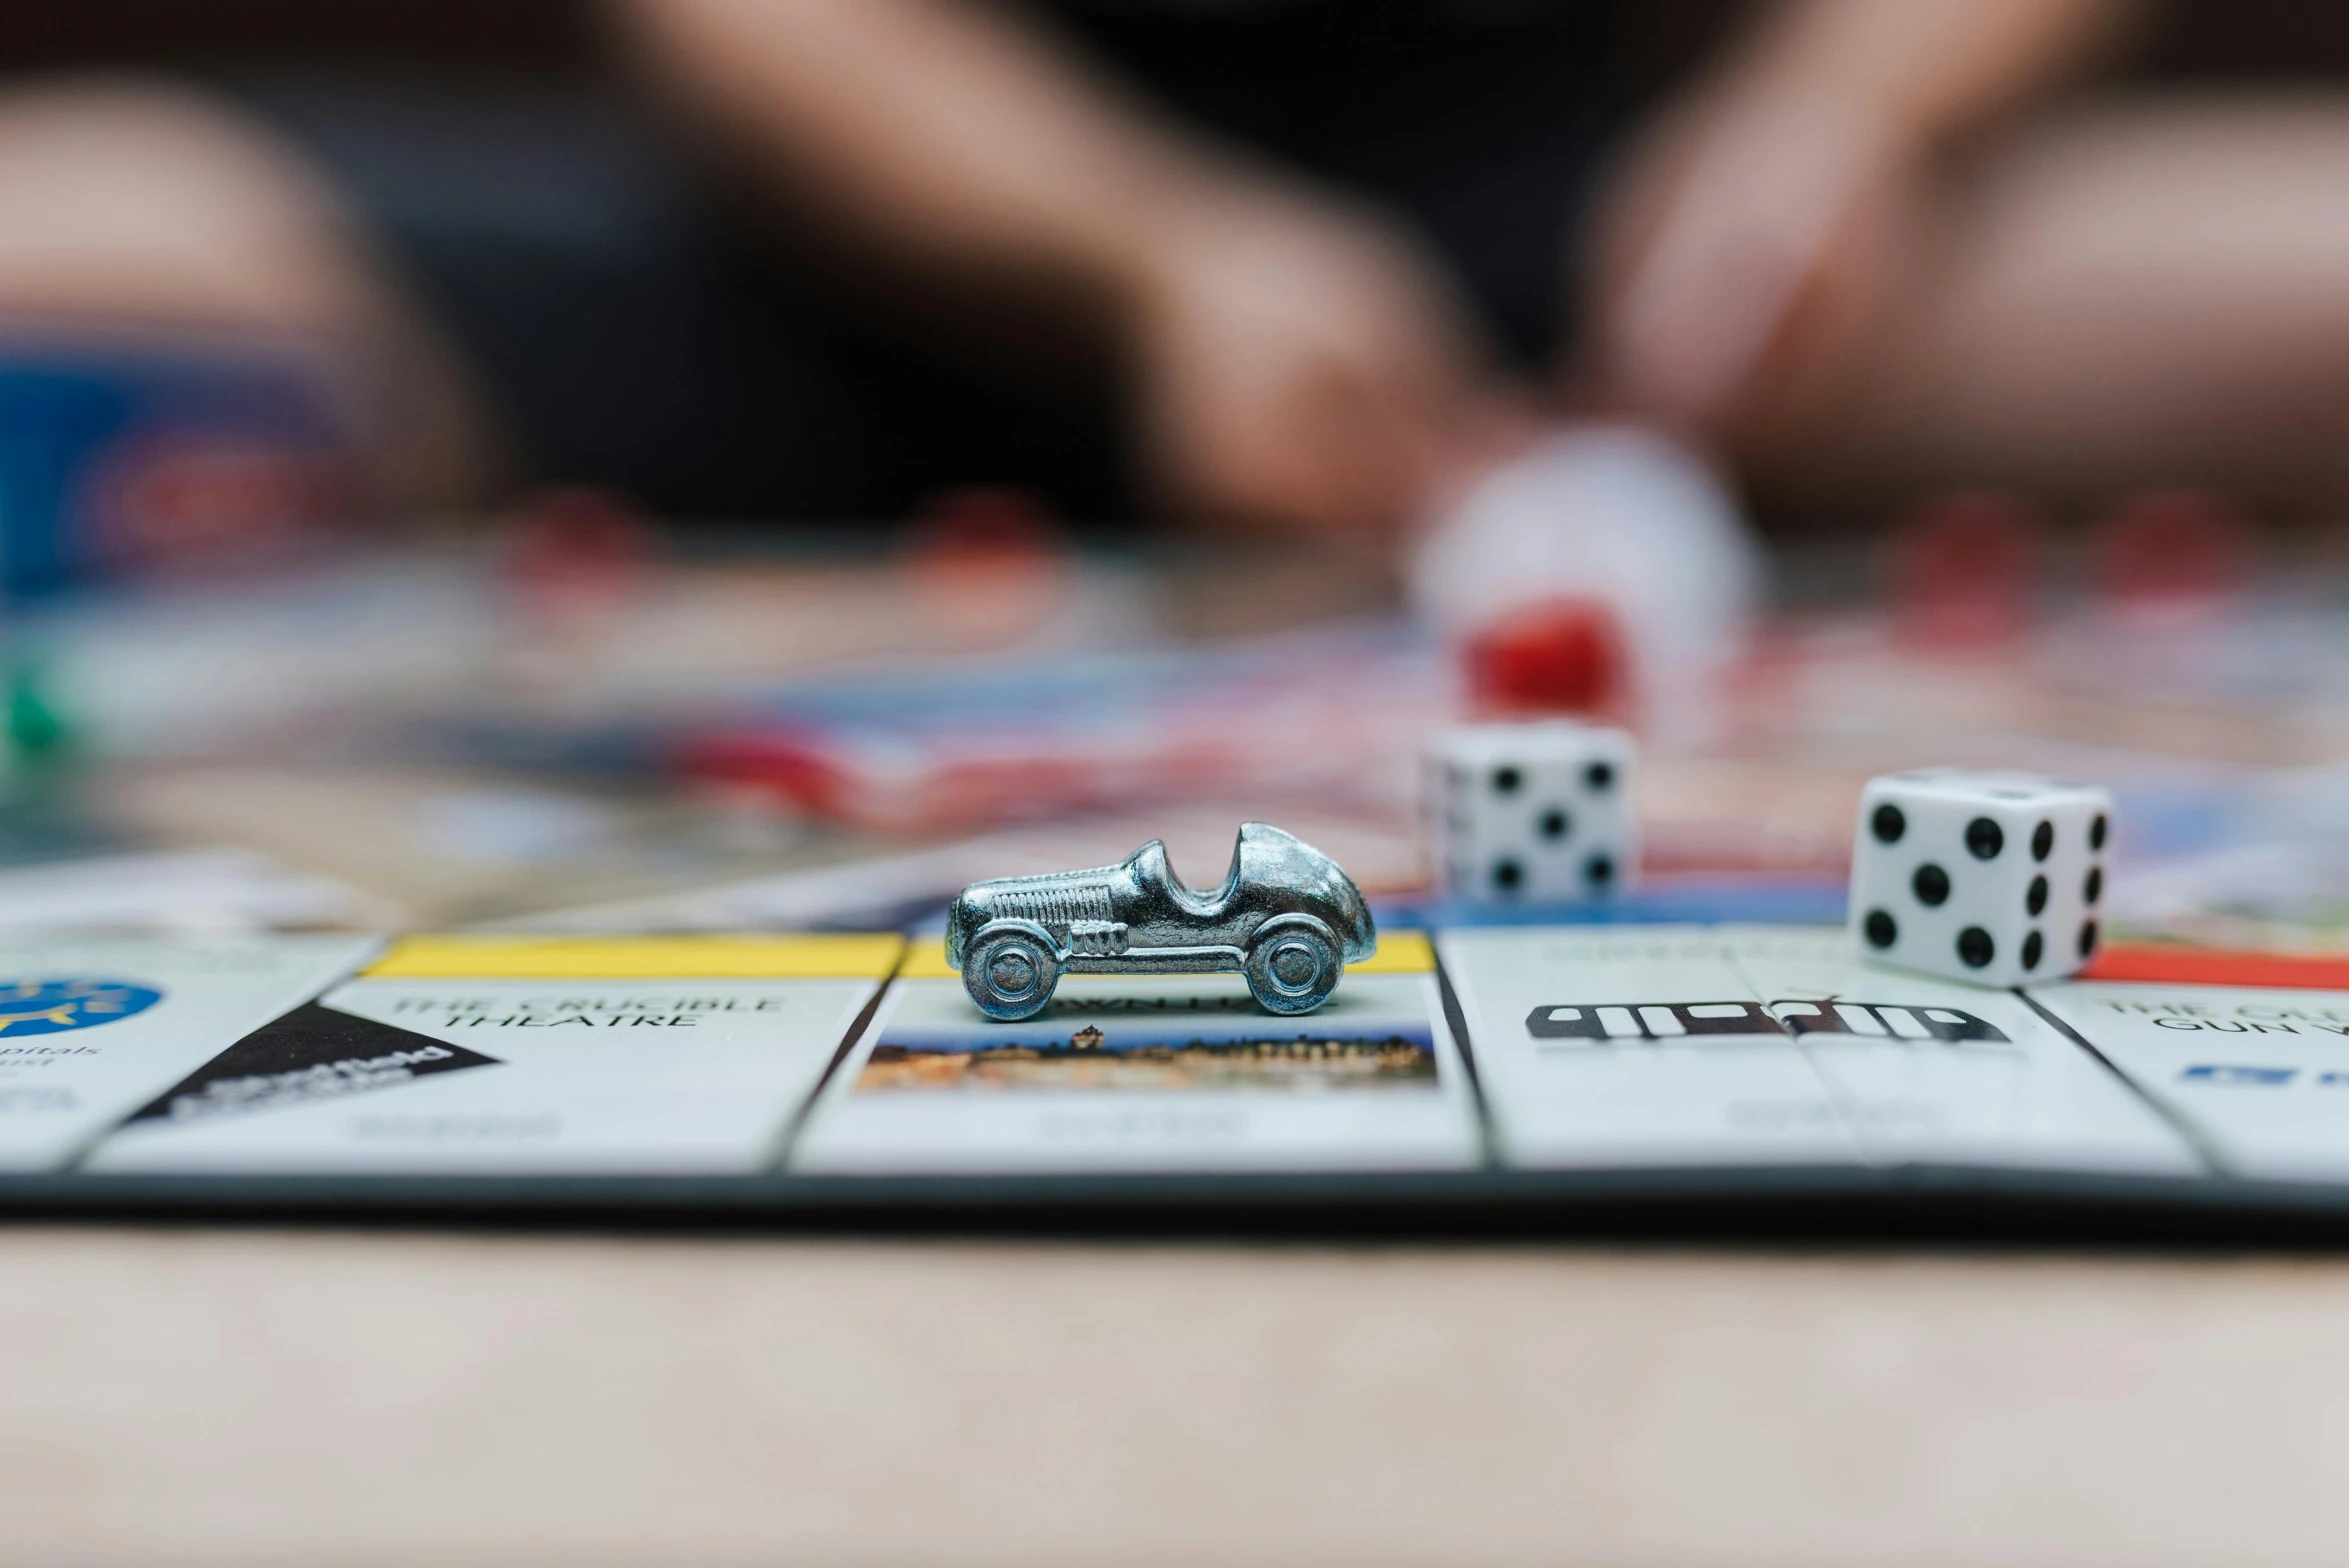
(52, 1006)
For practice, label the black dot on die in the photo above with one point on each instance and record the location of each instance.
(2032, 948)
(2096, 832)
(1888, 824)
(1880, 929)
(2094, 888)
(2042, 840)
(1974, 947)
(1506, 780)
(1599, 870)
(1930, 884)
(2035, 899)
(1508, 875)
(1984, 838)
(2087, 937)
(1553, 823)
(1599, 776)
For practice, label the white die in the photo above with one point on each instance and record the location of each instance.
(1536, 813)
(1996, 878)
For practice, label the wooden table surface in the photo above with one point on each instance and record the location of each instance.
(318, 1396)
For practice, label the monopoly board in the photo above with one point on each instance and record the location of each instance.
(1543, 1067)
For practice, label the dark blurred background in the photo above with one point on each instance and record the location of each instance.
(2267, 41)
(697, 358)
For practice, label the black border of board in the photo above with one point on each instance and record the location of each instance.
(1877, 1204)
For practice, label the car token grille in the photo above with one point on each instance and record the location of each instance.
(1054, 906)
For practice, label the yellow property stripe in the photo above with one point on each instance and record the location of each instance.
(747, 957)
(1399, 953)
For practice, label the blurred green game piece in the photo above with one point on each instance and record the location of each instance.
(37, 733)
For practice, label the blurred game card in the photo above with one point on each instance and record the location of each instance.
(1635, 1046)
(1151, 1073)
(1931, 1071)
(521, 1055)
(91, 1029)
(2259, 1077)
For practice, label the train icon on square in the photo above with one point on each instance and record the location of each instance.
(1661, 1021)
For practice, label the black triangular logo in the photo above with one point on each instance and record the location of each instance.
(312, 1053)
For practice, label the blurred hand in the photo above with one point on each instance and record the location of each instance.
(1748, 244)
(1305, 369)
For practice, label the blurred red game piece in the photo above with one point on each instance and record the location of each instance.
(1964, 567)
(981, 528)
(1561, 656)
(987, 560)
(2171, 556)
(575, 554)
(190, 503)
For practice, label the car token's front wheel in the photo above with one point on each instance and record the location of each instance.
(1293, 966)
(1010, 972)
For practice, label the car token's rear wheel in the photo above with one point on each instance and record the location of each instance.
(1293, 968)
(1010, 973)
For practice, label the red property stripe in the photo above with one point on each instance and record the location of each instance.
(2159, 962)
